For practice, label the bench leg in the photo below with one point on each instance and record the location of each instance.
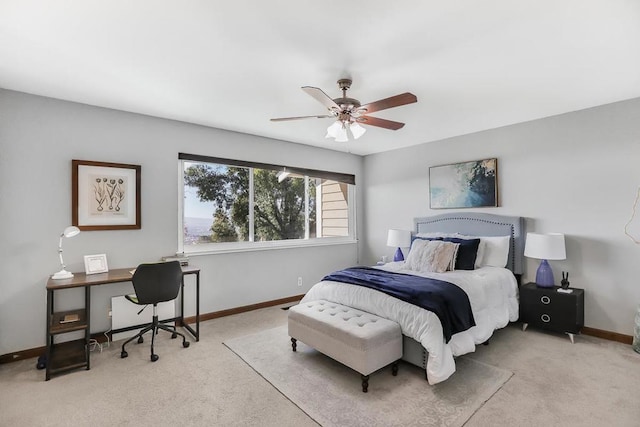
(365, 383)
(293, 344)
(394, 368)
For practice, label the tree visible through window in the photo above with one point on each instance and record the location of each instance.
(226, 203)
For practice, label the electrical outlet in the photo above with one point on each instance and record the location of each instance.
(109, 313)
(300, 281)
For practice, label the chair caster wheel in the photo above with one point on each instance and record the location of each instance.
(154, 357)
(123, 354)
(173, 336)
(186, 344)
(140, 340)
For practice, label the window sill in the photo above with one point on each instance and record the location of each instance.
(209, 249)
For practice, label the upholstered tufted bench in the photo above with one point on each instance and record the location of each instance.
(360, 340)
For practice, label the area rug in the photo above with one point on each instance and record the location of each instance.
(331, 394)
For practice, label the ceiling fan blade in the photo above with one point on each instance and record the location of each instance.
(394, 101)
(322, 97)
(282, 119)
(382, 123)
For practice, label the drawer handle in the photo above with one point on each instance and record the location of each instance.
(545, 318)
(545, 299)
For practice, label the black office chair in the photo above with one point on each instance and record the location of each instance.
(155, 283)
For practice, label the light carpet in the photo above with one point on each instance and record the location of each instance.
(331, 393)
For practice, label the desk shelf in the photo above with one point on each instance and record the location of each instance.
(74, 354)
(56, 327)
(67, 356)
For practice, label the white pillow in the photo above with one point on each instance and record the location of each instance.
(431, 255)
(479, 254)
(496, 251)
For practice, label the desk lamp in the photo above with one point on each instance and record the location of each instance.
(63, 273)
(399, 239)
(545, 247)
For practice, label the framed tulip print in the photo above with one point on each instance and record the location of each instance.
(105, 196)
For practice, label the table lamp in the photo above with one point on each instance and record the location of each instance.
(545, 247)
(63, 273)
(399, 239)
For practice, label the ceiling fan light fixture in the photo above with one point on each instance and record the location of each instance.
(348, 113)
(357, 130)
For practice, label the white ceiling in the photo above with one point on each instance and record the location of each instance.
(474, 65)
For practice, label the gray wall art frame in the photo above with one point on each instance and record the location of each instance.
(471, 184)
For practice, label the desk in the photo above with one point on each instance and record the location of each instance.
(75, 354)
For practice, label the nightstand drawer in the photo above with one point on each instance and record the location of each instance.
(551, 318)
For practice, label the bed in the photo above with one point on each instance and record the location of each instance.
(491, 289)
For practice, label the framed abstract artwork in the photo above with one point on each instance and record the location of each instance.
(464, 185)
(105, 196)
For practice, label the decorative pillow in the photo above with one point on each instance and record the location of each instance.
(431, 255)
(496, 250)
(467, 251)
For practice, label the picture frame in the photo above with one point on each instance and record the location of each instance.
(105, 196)
(94, 264)
(472, 184)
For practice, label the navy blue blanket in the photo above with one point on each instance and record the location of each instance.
(446, 300)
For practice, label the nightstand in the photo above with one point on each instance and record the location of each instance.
(549, 309)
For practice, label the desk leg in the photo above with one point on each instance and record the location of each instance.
(196, 333)
(198, 306)
(182, 322)
(87, 333)
(49, 336)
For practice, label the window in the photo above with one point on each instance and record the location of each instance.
(233, 205)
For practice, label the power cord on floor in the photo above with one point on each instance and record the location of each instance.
(94, 344)
(107, 343)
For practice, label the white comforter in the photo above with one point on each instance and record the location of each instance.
(492, 292)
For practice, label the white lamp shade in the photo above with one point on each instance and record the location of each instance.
(545, 246)
(357, 130)
(399, 238)
(71, 231)
(338, 131)
(341, 135)
(333, 129)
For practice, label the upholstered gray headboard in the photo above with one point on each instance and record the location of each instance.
(480, 224)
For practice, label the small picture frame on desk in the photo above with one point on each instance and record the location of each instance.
(94, 264)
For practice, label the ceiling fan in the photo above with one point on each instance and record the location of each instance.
(350, 113)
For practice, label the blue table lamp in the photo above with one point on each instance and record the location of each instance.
(399, 239)
(545, 247)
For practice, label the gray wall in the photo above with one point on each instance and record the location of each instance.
(38, 139)
(576, 173)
